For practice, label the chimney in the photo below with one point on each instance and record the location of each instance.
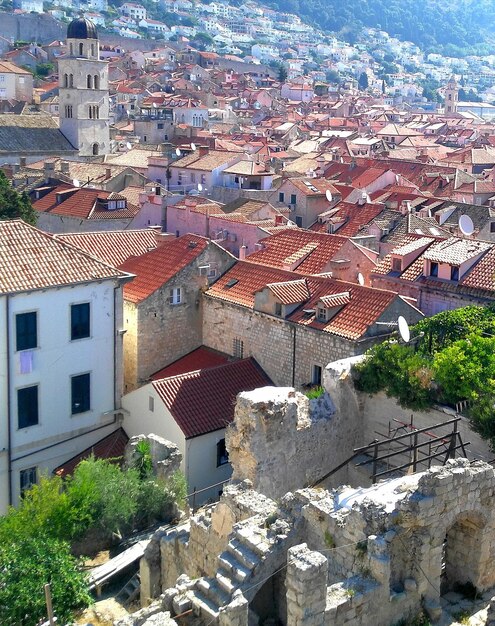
(22, 161)
(64, 167)
(48, 169)
(108, 173)
(242, 252)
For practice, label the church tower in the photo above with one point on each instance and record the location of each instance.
(83, 91)
(451, 96)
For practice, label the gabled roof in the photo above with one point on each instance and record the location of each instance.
(240, 284)
(31, 259)
(198, 359)
(280, 248)
(32, 134)
(291, 291)
(455, 251)
(203, 401)
(157, 267)
(113, 246)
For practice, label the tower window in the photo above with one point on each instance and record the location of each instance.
(66, 80)
(81, 49)
(89, 81)
(92, 49)
(71, 80)
(96, 149)
(96, 81)
(68, 110)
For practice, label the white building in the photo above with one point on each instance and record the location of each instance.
(83, 91)
(135, 11)
(60, 354)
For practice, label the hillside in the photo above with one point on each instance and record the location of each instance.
(453, 28)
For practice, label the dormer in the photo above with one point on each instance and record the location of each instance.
(327, 307)
(281, 299)
(294, 260)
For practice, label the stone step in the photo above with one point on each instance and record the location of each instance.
(204, 606)
(243, 554)
(236, 570)
(210, 588)
(225, 582)
(257, 543)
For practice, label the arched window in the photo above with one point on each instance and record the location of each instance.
(92, 49)
(96, 81)
(89, 81)
(81, 49)
(66, 80)
(71, 49)
(71, 80)
(96, 149)
(90, 112)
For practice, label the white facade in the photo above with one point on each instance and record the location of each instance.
(62, 431)
(199, 454)
(84, 97)
(135, 11)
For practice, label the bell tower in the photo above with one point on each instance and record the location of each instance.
(83, 91)
(451, 96)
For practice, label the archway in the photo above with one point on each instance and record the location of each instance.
(270, 603)
(96, 149)
(462, 563)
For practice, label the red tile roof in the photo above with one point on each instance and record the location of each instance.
(110, 447)
(157, 267)
(365, 305)
(203, 401)
(31, 259)
(113, 246)
(198, 359)
(283, 245)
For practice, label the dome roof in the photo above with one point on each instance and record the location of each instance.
(81, 28)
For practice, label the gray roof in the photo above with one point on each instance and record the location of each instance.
(32, 134)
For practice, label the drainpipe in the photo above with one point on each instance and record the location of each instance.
(9, 405)
(294, 328)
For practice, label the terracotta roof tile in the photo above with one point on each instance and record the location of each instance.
(31, 259)
(157, 267)
(203, 401)
(456, 251)
(198, 359)
(290, 292)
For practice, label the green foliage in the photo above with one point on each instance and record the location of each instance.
(453, 361)
(26, 565)
(144, 462)
(14, 205)
(329, 540)
(314, 392)
(44, 69)
(363, 81)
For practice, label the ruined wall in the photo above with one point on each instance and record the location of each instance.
(280, 440)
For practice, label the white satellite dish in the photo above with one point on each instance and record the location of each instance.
(466, 225)
(404, 331)
(128, 145)
(328, 195)
(177, 151)
(76, 183)
(193, 146)
(397, 179)
(154, 105)
(360, 278)
(200, 187)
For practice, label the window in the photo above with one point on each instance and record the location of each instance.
(222, 454)
(28, 477)
(151, 404)
(81, 49)
(68, 110)
(433, 269)
(454, 272)
(299, 221)
(278, 309)
(160, 126)
(237, 348)
(66, 80)
(293, 198)
(193, 177)
(96, 149)
(322, 314)
(79, 321)
(396, 264)
(96, 81)
(71, 81)
(27, 406)
(89, 81)
(492, 227)
(203, 179)
(26, 332)
(316, 375)
(281, 196)
(175, 295)
(80, 393)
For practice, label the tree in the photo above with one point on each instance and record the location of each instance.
(333, 76)
(14, 205)
(282, 74)
(363, 81)
(26, 565)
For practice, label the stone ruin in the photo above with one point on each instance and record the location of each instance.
(270, 551)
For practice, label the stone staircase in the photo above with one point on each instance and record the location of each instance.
(246, 554)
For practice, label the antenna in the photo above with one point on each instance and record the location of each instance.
(177, 151)
(466, 225)
(76, 183)
(360, 278)
(404, 331)
(193, 146)
(328, 195)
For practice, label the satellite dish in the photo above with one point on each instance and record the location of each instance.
(200, 187)
(193, 146)
(328, 195)
(397, 179)
(177, 151)
(76, 183)
(360, 278)
(404, 331)
(154, 105)
(466, 225)
(128, 145)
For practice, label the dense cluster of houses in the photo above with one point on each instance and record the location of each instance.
(214, 230)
